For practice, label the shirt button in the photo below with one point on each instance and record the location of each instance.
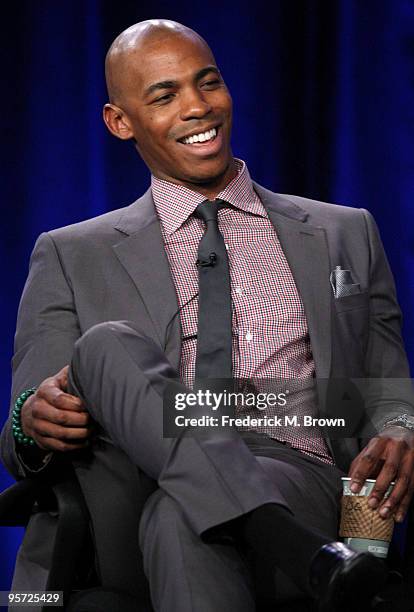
(249, 336)
(238, 290)
(227, 246)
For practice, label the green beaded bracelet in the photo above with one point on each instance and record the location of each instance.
(16, 418)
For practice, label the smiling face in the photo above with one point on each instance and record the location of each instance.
(172, 100)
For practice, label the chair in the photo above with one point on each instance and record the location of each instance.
(72, 569)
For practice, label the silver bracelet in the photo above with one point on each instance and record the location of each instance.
(403, 420)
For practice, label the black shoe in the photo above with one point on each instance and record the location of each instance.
(343, 580)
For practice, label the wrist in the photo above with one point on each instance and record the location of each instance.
(17, 427)
(405, 421)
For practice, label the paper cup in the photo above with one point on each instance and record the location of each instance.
(362, 528)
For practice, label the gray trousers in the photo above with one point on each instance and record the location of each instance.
(203, 481)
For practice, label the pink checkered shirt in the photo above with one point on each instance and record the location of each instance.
(270, 332)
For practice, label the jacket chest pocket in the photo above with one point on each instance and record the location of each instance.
(351, 324)
(357, 301)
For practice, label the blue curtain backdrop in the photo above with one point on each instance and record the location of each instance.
(324, 107)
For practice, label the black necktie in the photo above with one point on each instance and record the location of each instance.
(214, 301)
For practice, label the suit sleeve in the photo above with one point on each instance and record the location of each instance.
(387, 366)
(47, 328)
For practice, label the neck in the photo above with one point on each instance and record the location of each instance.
(210, 188)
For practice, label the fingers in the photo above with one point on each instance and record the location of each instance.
(67, 426)
(65, 417)
(53, 391)
(50, 436)
(400, 497)
(388, 473)
(395, 458)
(56, 420)
(52, 396)
(402, 508)
(366, 463)
(62, 377)
(66, 434)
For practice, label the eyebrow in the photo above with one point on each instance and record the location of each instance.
(172, 84)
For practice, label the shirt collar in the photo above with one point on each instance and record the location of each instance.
(175, 203)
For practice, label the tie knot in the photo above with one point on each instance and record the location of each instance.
(208, 209)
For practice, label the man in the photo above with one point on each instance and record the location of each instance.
(116, 297)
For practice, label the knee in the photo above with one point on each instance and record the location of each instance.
(94, 342)
(99, 344)
(101, 331)
(100, 337)
(120, 346)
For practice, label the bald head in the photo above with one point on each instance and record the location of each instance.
(129, 48)
(168, 96)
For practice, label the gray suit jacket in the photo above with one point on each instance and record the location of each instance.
(114, 267)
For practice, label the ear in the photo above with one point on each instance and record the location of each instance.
(117, 122)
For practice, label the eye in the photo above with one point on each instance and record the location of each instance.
(164, 99)
(211, 83)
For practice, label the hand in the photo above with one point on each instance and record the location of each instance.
(56, 420)
(389, 456)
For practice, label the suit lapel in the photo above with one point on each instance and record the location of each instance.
(143, 256)
(307, 253)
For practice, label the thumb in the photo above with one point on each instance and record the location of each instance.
(62, 377)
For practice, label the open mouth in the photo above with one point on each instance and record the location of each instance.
(200, 139)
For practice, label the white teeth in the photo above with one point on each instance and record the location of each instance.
(203, 137)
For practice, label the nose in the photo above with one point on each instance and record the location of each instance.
(193, 104)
